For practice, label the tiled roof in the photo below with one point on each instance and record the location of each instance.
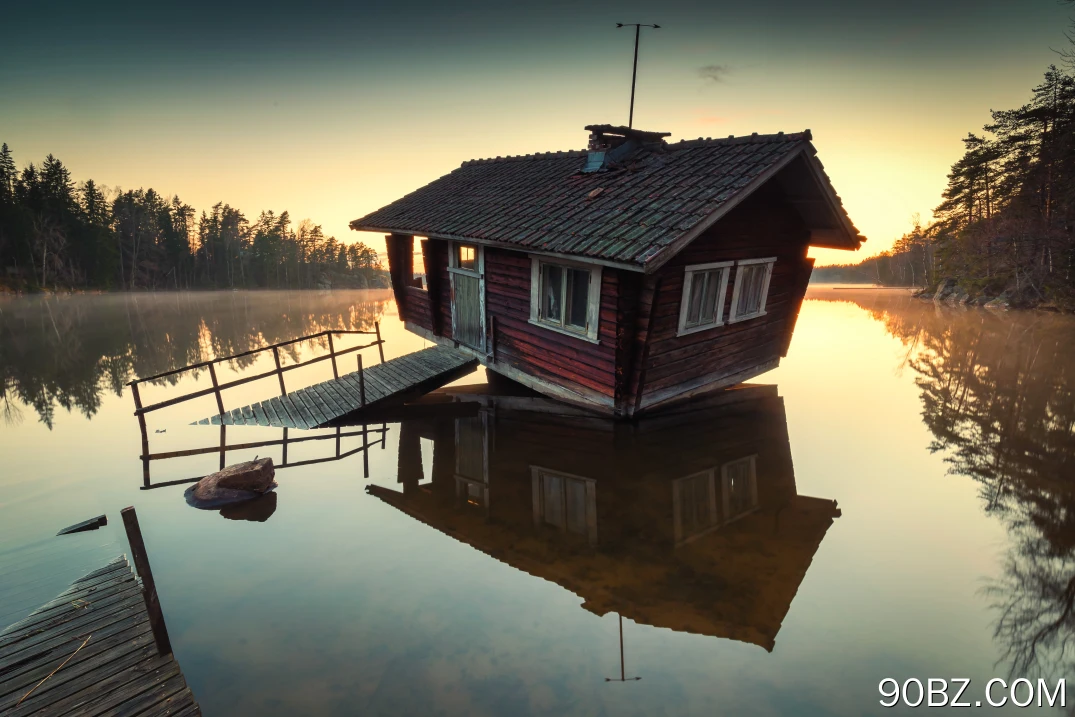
(629, 215)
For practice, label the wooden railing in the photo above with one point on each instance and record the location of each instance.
(217, 387)
(279, 371)
(366, 432)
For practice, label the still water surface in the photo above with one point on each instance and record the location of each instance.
(895, 501)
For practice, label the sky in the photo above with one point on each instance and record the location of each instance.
(332, 110)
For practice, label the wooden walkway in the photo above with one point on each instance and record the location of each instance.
(380, 384)
(91, 652)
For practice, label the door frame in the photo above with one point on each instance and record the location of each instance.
(453, 270)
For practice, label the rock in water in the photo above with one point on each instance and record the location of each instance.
(258, 510)
(256, 475)
(234, 484)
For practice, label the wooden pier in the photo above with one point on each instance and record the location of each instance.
(92, 651)
(374, 386)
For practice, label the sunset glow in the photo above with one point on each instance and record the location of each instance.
(329, 121)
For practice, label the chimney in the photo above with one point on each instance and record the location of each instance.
(609, 144)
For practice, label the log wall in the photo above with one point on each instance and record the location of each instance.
(639, 361)
(763, 226)
(549, 355)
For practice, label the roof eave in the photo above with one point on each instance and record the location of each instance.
(847, 239)
(627, 266)
(836, 239)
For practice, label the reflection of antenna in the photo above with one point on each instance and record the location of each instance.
(622, 677)
(634, 72)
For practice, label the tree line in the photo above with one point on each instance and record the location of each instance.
(56, 233)
(1006, 221)
(60, 352)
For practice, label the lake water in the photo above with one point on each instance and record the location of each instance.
(896, 500)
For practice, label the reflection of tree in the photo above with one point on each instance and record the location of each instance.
(998, 395)
(66, 351)
(1035, 599)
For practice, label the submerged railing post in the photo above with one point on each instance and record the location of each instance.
(380, 343)
(216, 389)
(142, 426)
(338, 428)
(284, 463)
(332, 354)
(149, 587)
(223, 444)
(141, 417)
(361, 383)
(365, 452)
(279, 370)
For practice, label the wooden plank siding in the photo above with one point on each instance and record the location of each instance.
(416, 307)
(538, 351)
(638, 361)
(763, 226)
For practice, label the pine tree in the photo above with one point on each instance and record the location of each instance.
(8, 175)
(93, 204)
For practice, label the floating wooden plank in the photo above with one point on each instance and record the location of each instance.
(91, 652)
(91, 524)
(385, 384)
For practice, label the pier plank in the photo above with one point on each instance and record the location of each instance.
(385, 383)
(97, 633)
(261, 414)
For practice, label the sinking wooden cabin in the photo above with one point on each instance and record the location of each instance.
(689, 520)
(624, 277)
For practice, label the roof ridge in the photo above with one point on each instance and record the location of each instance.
(522, 157)
(753, 138)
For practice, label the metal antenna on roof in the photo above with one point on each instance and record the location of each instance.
(634, 72)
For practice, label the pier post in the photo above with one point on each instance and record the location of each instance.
(332, 354)
(216, 389)
(149, 588)
(279, 370)
(145, 436)
(361, 383)
(380, 343)
(365, 452)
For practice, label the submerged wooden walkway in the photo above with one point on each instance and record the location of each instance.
(373, 386)
(91, 651)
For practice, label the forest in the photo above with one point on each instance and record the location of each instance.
(1005, 227)
(59, 234)
(59, 352)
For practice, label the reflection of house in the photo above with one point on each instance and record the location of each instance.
(621, 278)
(686, 521)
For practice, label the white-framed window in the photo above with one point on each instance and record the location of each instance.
(704, 288)
(565, 296)
(565, 502)
(704, 501)
(751, 288)
(694, 505)
(740, 487)
(465, 257)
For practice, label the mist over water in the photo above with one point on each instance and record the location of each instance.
(485, 565)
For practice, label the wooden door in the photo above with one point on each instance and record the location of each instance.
(472, 459)
(467, 268)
